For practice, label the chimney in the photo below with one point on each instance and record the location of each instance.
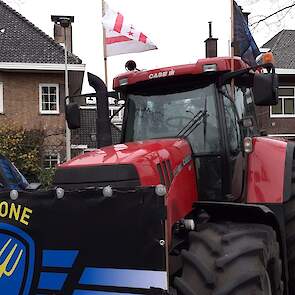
(211, 44)
(59, 31)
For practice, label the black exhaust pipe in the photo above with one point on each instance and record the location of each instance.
(103, 123)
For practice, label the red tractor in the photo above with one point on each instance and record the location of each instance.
(191, 132)
(193, 201)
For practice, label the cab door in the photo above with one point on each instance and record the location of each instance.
(235, 162)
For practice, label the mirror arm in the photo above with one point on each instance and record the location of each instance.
(231, 75)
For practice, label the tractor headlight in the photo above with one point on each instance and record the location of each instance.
(107, 191)
(160, 190)
(13, 194)
(60, 192)
(210, 68)
(248, 145)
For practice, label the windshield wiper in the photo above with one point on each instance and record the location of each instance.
(193, 124)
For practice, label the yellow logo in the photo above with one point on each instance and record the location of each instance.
(4, 265)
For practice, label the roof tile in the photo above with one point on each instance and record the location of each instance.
(282, 46)
(23, 42)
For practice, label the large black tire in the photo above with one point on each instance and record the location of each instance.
(231, 259)
(290, 236)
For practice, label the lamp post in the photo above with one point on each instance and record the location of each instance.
(65, 22)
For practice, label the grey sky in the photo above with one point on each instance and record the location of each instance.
(178, 28)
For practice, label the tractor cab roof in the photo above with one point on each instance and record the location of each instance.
(217, 64)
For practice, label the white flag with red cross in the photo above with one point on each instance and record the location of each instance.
(121, 37)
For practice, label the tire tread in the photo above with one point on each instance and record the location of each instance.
(230, 259)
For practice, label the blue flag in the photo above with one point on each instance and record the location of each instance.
(243, 38)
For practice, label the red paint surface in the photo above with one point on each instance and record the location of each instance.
(266, 168)
(182, 195)
(112, 40)
(222, 63)
(142, 38)
(145, 156)
(119, 23)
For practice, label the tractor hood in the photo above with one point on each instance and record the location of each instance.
(142, 163)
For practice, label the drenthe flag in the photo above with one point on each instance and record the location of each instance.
(122, 37)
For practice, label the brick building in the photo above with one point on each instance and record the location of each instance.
(32, 81)
(279, 120)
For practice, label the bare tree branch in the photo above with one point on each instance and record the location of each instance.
(272, 14)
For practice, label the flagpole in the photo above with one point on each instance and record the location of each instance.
(104, 47)
(232, 53)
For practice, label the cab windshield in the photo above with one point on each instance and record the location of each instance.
(165, 115)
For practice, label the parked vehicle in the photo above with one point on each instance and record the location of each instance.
(10, 177)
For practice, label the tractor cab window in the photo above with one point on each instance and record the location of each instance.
(241, 107)
(165, 115)
(233, 128)
(244, 104)
(245, 107)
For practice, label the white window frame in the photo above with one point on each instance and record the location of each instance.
(283, 107)
(1, 98)
(48, 112)
(119, 117)
(51, 154)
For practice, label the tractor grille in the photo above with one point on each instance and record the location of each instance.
(165, 173)
(122, 175)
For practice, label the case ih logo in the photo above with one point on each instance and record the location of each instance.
(162, 74)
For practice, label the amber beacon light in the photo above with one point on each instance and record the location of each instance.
(268, 58)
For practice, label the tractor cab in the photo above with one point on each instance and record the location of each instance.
(201, 109)
(206, 103)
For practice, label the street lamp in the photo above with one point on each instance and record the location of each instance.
(65, 22)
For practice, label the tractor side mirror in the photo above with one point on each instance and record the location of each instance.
(265, 89)
(73, 115)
